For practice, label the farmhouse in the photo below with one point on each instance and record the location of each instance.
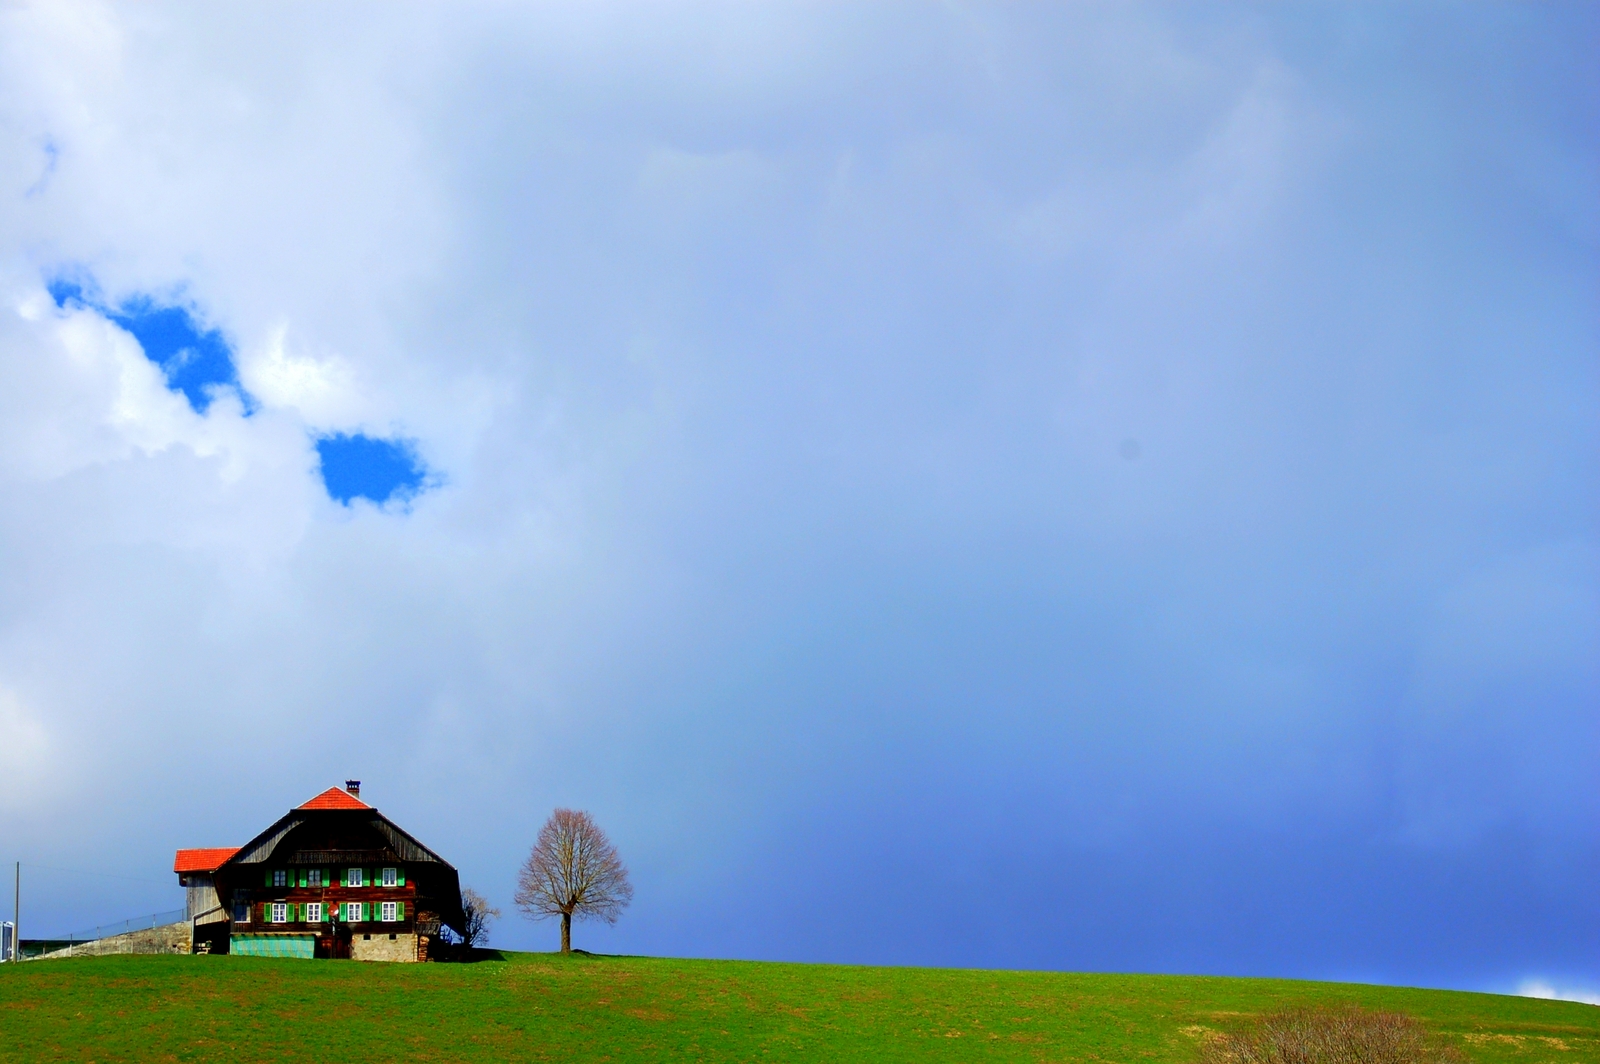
(332, 878)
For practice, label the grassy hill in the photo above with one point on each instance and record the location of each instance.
(545, 1007)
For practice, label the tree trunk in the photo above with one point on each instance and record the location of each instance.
(566, 932)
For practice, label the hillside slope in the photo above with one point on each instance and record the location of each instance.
(543, 1007)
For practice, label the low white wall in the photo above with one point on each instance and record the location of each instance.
(168, 938)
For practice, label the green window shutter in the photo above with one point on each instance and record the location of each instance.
(268, 880)
(366, 911)
(294, 913)
(401, 876)
(302, 877)
(325, 877)
(400, 910)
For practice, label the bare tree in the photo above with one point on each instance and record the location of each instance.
(479, 915)
(573, 870)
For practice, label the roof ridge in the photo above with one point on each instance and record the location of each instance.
(334, 798)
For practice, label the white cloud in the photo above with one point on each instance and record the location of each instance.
(26, 751)
(1538, 988)
(322, 389)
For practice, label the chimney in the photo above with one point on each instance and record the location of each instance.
(354, 787)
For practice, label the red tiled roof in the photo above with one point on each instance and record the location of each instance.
(335, 798)
(204, 860)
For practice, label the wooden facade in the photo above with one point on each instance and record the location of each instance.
(331, 878)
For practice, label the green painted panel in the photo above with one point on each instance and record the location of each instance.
(301, 947)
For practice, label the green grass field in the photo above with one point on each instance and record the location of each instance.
(545, 1007)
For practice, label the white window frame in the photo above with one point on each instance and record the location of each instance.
(313, 912)
(391, 877)
(280, 912)
(280, 877)
(352, 912)
(353, 877)
(390, 912)
(314, 877)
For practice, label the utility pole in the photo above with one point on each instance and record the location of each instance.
(16, 911)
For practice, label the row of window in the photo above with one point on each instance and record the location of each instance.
(352, 877)
(314, 912)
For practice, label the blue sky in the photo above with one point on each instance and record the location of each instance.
(1109, 488)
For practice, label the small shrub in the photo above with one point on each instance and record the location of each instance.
(1332, 1036)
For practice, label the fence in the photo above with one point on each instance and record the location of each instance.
(33, 947)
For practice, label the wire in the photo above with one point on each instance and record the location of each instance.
(102, 875)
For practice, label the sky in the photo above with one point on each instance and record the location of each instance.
(1070, 487)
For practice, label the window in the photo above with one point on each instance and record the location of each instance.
(391, 876)
(353, 878)
(280, 912)
(390, 912)
(352, 912)
(314, 878)
(313, 912)
(280, 877)
(241, 912)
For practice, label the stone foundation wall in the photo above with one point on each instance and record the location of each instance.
(380, 947)
(168, 938)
